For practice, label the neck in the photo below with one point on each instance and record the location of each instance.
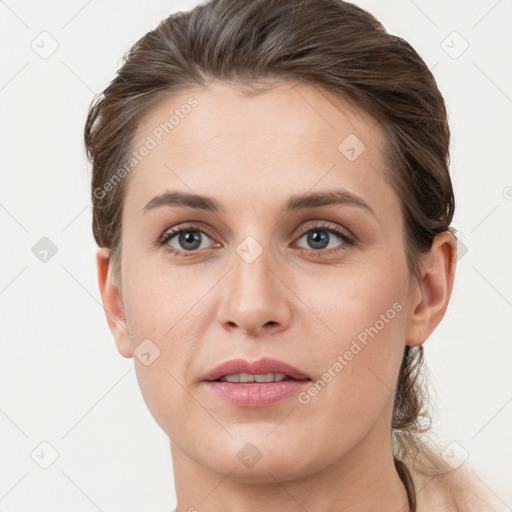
(364, 479)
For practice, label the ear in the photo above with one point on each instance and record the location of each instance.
(112, 303)
(433, 291)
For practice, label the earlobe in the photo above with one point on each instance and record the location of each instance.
(434, 288)
(112, 303)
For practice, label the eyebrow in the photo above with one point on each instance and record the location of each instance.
(295, 203)
(327, 198)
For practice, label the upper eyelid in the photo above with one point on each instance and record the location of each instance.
(328, 226)
(175, 230)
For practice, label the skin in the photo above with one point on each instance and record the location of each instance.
(295, 302)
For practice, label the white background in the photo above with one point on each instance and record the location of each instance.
(62, 379)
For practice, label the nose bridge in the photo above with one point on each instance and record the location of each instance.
(253, 276)
(254, 296)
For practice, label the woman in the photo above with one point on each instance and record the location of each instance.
(272, 204)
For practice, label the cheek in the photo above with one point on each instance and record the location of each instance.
(358, 354)
(355, 303)
(158, 301)
(167, 308)
(357, 370)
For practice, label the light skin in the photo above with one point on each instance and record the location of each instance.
(296, 302)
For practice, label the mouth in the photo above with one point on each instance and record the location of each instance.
(255, 384)
(260, 371)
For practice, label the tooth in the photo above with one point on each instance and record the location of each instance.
(261, 377)
(266, 377)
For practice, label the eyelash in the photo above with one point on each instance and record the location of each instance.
(324, 226)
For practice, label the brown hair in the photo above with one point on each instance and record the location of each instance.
(330, 44)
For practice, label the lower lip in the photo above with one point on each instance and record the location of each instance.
(256, 394)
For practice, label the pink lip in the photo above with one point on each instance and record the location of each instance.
(265, 365)
(255, 394)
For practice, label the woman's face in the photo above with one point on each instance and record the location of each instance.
(265, 275)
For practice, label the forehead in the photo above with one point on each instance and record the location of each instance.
(222, 110)
(284, 139)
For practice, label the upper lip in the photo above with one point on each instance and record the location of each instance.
(261, 366)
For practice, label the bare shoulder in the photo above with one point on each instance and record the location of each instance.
(455, 490)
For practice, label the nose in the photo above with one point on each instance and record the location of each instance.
(256, 298)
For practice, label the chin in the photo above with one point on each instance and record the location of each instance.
(260, 460)
(268, 469)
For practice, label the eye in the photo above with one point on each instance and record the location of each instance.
(189, 240)
(183, 240)
(320, 238)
